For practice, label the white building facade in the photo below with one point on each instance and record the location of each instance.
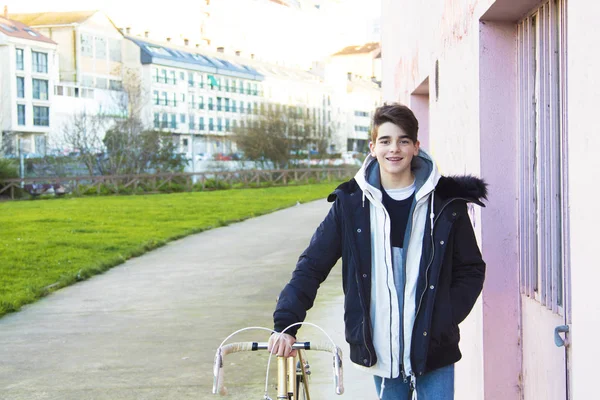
(90, 69)
(28, 72)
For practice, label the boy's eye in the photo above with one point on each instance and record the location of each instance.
(405, 142)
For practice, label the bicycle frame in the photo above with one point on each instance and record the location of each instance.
(286, 367)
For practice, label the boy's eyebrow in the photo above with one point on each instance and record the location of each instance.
(389, 137)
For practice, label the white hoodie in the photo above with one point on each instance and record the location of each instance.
(384, 298)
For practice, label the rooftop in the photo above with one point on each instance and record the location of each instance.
(20, 30)
(360, 49)
(53, 18)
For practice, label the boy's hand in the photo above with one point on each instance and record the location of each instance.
(283, 346)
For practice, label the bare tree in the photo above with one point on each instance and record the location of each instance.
(83, 134)
(132, 146)
(278, 131)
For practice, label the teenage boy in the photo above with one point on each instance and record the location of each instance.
(412, 269)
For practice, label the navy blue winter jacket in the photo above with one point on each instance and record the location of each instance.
(450, 279)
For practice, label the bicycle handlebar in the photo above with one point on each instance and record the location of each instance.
(254, 346)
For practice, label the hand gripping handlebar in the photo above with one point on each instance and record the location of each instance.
(218, 383)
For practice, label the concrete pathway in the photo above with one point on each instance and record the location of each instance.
(148, 329)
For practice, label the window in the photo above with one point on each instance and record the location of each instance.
(40, 62)
(233, 105)
(241, 106)
(156, 119)
(21, 114)
(173, 121)
(173, 76)
(115, 85)
(155, 75)
(114, 50)
(174, 104)
(20, 87)
(87, 45)
(192, 101)
(41, 116)
(211, 124)
(156, 98)
(40, 144)
(184, 142)
(190, 79)
(210, 103)
(59, 90)
(219, 124)
(201, 127)
(100, 44)
(234, 86)
(164, 123)
(227, 124)
(219, 100)
(101, 83)
(182, 76)
(165, 99)
(182, 118)
(201, 80)
(192, 123)
(212, 82)
(201, 102)
(227, 105)
(20, 60)
(87, 80)
(40, 89)
(541, 63)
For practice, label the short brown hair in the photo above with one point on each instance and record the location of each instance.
(399, 115)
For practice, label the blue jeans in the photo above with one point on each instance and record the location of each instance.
(435, 385)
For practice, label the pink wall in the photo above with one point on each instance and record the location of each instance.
(498, 124)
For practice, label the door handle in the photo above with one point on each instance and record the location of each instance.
(558, 340)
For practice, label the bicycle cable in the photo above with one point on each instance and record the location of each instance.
(276, 340)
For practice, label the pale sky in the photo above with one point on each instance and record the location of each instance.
(354, 12)
(340, 23)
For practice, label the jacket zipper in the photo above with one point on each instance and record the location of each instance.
(433, 251)
(389, 295)
(404, 376)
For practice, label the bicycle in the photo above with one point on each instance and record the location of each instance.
(292, 372)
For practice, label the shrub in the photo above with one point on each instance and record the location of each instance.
(8, 169)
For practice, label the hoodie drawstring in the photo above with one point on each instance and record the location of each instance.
(363, 198)
(431, 214)
(413, 387)
(382, 387)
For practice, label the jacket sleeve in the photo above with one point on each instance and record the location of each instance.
(312, 268)
(468, 268)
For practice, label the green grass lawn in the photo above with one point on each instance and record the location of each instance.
(48, 244)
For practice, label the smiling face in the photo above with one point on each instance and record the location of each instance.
(394, 151)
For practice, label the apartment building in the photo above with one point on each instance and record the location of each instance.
(199, 98)
(28, 72)
(90, 64)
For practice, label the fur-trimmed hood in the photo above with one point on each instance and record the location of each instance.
(468, 187)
